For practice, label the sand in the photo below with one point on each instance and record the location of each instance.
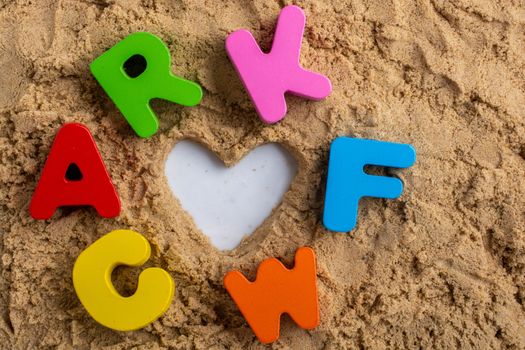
(441, 267)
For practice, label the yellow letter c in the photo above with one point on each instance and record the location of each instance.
(92, 282)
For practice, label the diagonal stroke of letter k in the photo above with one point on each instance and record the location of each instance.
(268, 76)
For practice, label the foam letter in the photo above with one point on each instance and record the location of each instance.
(267, 77)
(277, 290)
(74, 147)
(132, 94)
(347, 182)
(92, 282)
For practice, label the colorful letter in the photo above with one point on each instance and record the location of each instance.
(132, 94)
(347, 182)
(277, 290)
(74, 150)
(267, 77)
(92, 282)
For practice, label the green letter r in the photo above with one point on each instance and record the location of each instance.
(132, 93)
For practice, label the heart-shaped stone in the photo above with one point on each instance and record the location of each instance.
(229, 203)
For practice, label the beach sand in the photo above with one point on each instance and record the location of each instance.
(443, 266)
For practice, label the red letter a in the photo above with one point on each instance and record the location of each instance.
(74, 150)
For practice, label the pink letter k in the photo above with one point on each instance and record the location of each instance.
(267, 77)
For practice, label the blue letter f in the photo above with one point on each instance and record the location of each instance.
(347, 182)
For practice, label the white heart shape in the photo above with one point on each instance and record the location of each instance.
(229, 203)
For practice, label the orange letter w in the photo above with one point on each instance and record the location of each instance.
(277, 290)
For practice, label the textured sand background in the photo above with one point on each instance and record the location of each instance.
(443, 266)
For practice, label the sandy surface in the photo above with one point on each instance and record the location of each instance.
(443, 266)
